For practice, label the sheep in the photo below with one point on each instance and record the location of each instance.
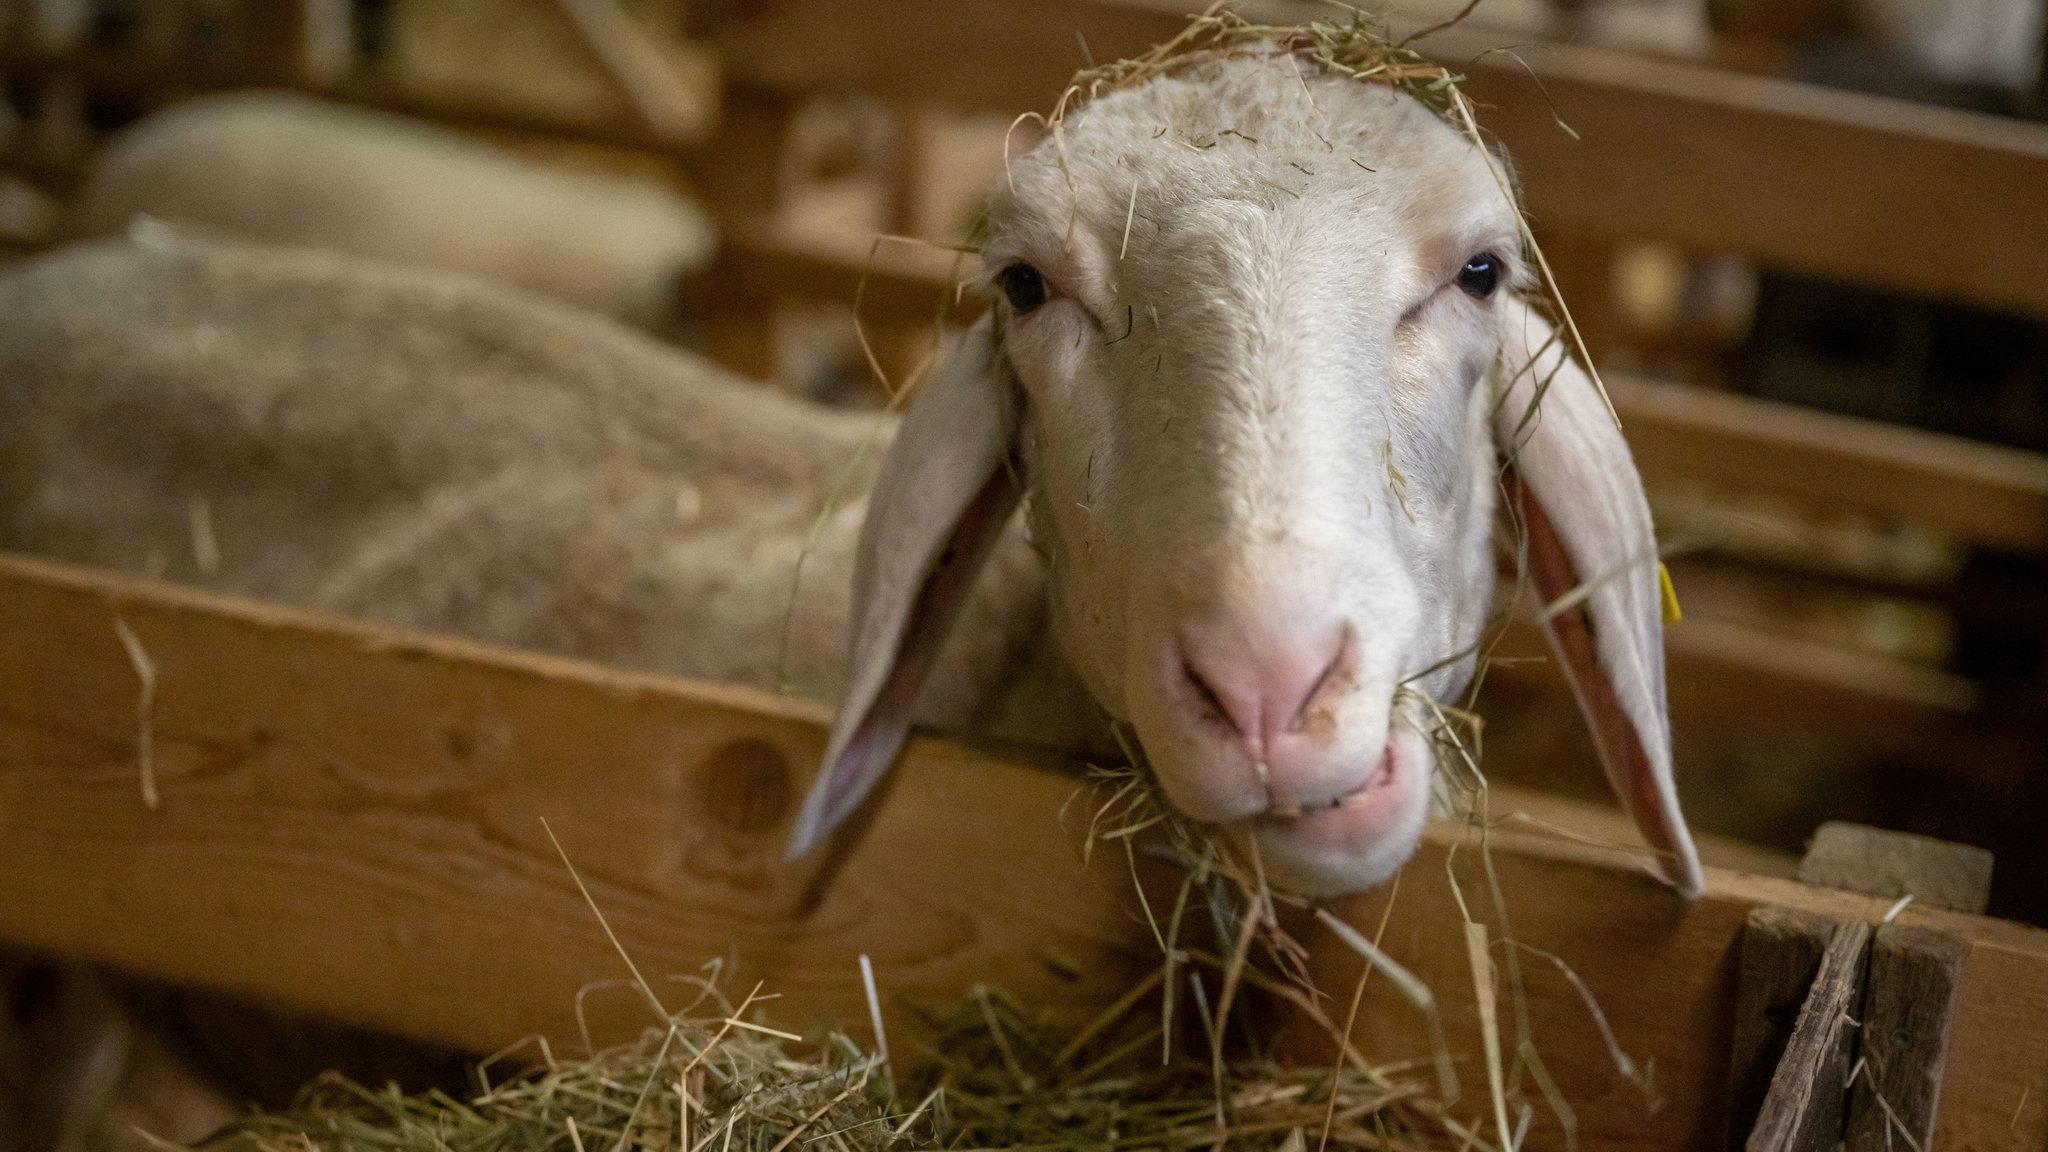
(429, 449)
(293, 169)
(1261, 341)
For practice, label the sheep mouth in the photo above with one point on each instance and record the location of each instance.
(1381, 776)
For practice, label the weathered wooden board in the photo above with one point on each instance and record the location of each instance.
(349, 823)
(1808, 1100)
(1780, 955)
(1905, 1016)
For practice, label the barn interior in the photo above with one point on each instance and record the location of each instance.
(1800, 240)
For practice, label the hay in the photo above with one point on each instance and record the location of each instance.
(999, 1079)
(1360, 48)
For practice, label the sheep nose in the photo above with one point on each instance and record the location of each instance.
(1266, 685)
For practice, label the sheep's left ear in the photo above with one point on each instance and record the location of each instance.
(936, 512)
(1588, 524)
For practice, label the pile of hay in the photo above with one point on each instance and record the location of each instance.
(998, 1080)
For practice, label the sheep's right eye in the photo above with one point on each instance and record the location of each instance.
(1024, 287)
(1480, 275)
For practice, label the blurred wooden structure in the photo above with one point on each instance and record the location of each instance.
(349, 822)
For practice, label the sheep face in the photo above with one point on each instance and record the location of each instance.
(1243, 361)
(1250, 313)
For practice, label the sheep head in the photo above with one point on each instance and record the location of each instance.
(1257, 352)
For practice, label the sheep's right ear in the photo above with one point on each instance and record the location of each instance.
(937, 510)
(1592, 556)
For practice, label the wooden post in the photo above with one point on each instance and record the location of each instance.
(1904, 1005)
(1781, 955)
(1804, 1109)
(744, 180)
(1914, 973)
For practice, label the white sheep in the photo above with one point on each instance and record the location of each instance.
(1259, 351)
(292, 169)
(428, 448)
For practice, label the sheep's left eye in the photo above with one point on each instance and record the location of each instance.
(1024, 286)
(1480, 275)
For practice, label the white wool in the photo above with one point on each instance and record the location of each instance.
(292, 169)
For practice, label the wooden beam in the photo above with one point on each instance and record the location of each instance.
(1839, 184)
(1984, 493)
(895, 280)
(349, 824)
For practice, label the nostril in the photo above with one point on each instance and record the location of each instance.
(1207, 696)
(1336, 668)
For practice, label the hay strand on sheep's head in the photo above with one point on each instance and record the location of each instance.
(1361, 49)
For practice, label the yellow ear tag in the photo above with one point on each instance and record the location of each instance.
(1672, 614)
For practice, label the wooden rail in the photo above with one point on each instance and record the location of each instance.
(350, 823)
(1856, 187)
(350, 818)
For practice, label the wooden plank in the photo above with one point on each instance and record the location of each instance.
(1665, 974)
(1984, 493)
(1808, 1100)
(1715, 669)
(1845, 185)
(895, 281)
(1891, 865)
(1906, 1016)
(349, 825)
(1781, 954)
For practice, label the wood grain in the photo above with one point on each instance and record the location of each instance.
(1781, 954)
(1808, 1100)
(351, 825)
(1906, 1017)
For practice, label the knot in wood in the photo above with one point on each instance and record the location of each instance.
(745, 786)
